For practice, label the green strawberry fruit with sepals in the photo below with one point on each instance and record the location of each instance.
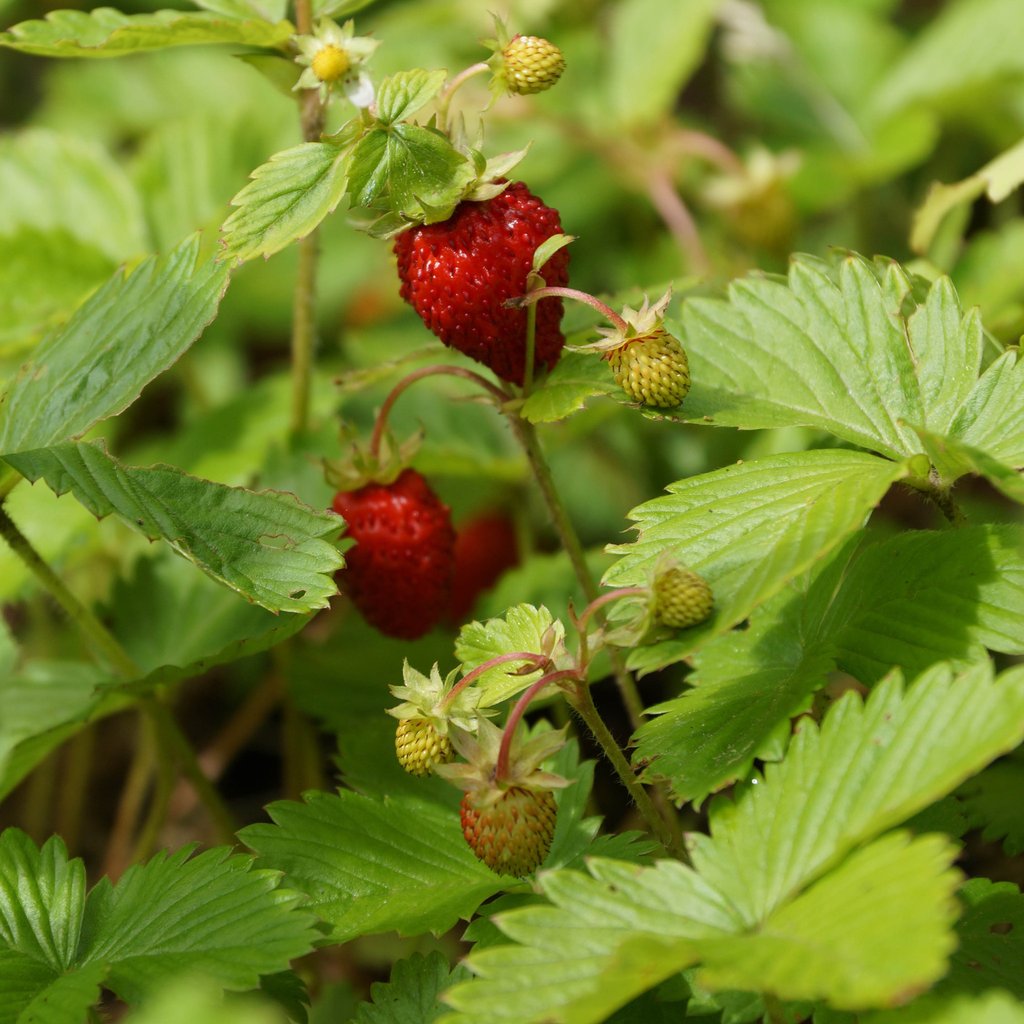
(682, 598)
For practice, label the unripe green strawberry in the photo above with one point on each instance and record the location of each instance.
(531, 64)
(682, 598)
(420, 747)
(652, 369)
(511, 834)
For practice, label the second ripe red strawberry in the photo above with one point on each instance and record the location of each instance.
(459, 273)
(399, 573)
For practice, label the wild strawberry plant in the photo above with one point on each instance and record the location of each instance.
(674, 672)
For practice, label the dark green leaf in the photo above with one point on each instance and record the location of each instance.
(412, 996)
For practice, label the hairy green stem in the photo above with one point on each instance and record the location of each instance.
(583, 704)
(516, 714)
(556, 291)
(570, 541)
(445, 99)
(608, 598)
(537, 661)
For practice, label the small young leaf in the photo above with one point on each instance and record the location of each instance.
(412, 994)
(268, 546)
(400, 96)
(286, 199)
(126, 334)
(365, 871)
(106, 32)
(575, 378)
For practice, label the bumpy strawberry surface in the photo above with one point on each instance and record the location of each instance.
(419, 746)
(532, 64)
(652, 369)
(485, 547)
(513, 834)
(399, 573)
(459, 273)
(683, 598)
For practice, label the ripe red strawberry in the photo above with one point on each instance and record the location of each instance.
(512, 834)
(484, 548)
(457, 275)
(399, 573)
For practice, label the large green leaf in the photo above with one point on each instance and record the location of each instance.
(106, 32)
(267, 545)
(792, 894)
(63, 184)
(126, 334)
(846, 348)
(286, 199)
(909, 600)
(749, 529)
(174, 915)
(365, 871)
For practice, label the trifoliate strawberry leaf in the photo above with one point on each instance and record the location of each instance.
(575, 378)
(522, 628)
(990, 949)
(834, 941)
(123, 336)
(400, 96)
(287, 198)
(784, 895)
(177, 623)
(410, 171)
(65, 184)
(363, 869)
(105, 32)
(870, 766)
(212, 913)
(412, 996)
(266, 545)
(991, 802)
(910, 600)
(748, 530)
(846, 349)
(41, 706)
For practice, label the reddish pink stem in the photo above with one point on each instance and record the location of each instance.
(426, 371)
(612, 595)
(555, 292)
(501, 768)
(502, 659)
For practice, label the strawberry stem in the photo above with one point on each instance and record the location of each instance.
(612, 595)
(445, 99)
(538, 660)
(516, 714)
(554, 291)
(426, 371)
(531, 347)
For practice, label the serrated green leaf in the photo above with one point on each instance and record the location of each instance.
(365, 872)
(910, 600)
(991, 801)
(991, 940)
(266, 545)
(40, 707)
(176, 623)
(57, 184)
(177, 914)
(126, 334)
(575, 378)
(845, 349)
(106, 32)
(953, 459)
(64, 1000)
(780, 867)
(406, 169)
(400, 96)
(287, 198)
(521, 628)
(870, 766)
(836, 941)
(748, 530)
(672, 36)
(412, 994)
(992, 417)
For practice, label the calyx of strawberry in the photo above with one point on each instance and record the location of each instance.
(427, 697)
(634, 326)
(478, 775)
(362, 465)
